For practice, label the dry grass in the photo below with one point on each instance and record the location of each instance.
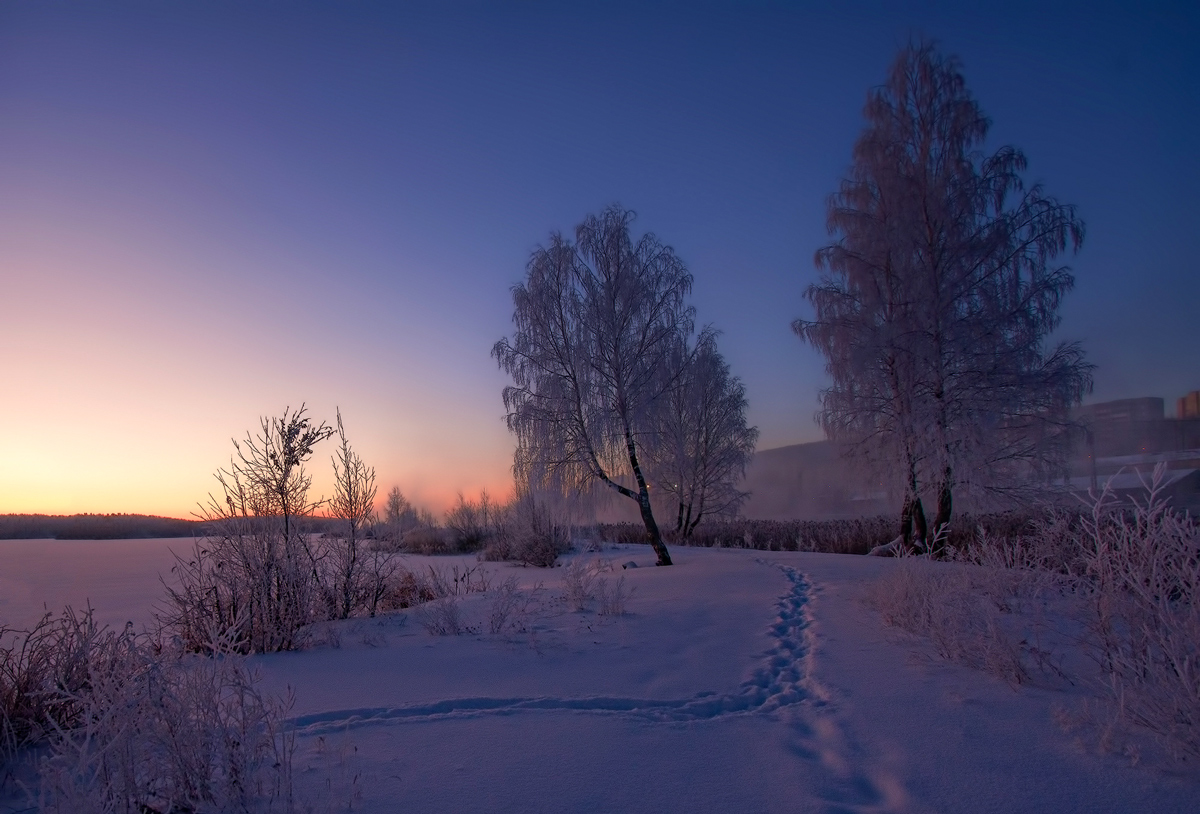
(129, 724)
(1131, 574)
(959, 609)
(40, 669)
(1143, 571)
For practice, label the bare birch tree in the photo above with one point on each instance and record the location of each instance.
(938, 296)
(596, 323)
(702, 443)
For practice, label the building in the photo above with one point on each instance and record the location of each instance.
(1188, 406)
(1117, 443)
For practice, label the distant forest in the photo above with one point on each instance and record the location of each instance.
(118, 526)
(93, 527)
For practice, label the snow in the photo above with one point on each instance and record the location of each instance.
(737, 681)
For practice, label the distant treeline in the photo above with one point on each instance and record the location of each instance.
(851, 536)
(120, 526)
(94, 526)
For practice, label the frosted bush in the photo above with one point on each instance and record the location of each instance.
(458, 580)
(442, 617)
(130, 724)
(612, 596)
(36, 666)
(168, 731)
(1143, 565)
(956, 612)
(1133, 573)
(579, 584)
(511, 609)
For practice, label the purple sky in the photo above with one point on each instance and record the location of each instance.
(209, 211)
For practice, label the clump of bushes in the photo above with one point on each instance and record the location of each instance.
(130, 723)
(584, 582)
(965, 613)
(429, 540)
(851, 536)
(525, 530)
(258, 579)
(529, 530)
(471, 524)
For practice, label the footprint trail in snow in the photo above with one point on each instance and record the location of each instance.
(775, 684)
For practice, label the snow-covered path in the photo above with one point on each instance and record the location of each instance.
(775, 684)
(764, 745)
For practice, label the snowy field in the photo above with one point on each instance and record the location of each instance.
(734, 681)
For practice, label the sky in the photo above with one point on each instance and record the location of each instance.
(213, 211)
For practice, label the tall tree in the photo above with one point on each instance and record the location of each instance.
(937, 298)
(596, 324)
(702, 443)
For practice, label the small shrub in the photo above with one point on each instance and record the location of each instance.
(539, 550)
(1134, 572)
(442, 617)
(472, 524)
(162, 730)
(612, 596)
(528, 531)
(580, 582)
(39, 670)
(511, 608)
(458, 580)
(405, 590)
(131, 724)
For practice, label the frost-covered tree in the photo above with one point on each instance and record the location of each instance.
(597, 323)
(254, 580)
(702, 443)
(399, 516)
(938, 295)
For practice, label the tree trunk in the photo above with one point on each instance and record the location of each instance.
(643, 498)
(912, 519)
(944, 508)
(906, 523)
(919, 525)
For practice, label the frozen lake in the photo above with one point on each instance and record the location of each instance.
(119, 577)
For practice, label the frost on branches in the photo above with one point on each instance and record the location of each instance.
(604, 375)
(938, 295)
(702, 444)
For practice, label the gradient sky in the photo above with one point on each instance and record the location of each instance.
(210, 211)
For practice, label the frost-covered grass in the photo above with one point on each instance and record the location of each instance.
(95, 720)
(1126, 580)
